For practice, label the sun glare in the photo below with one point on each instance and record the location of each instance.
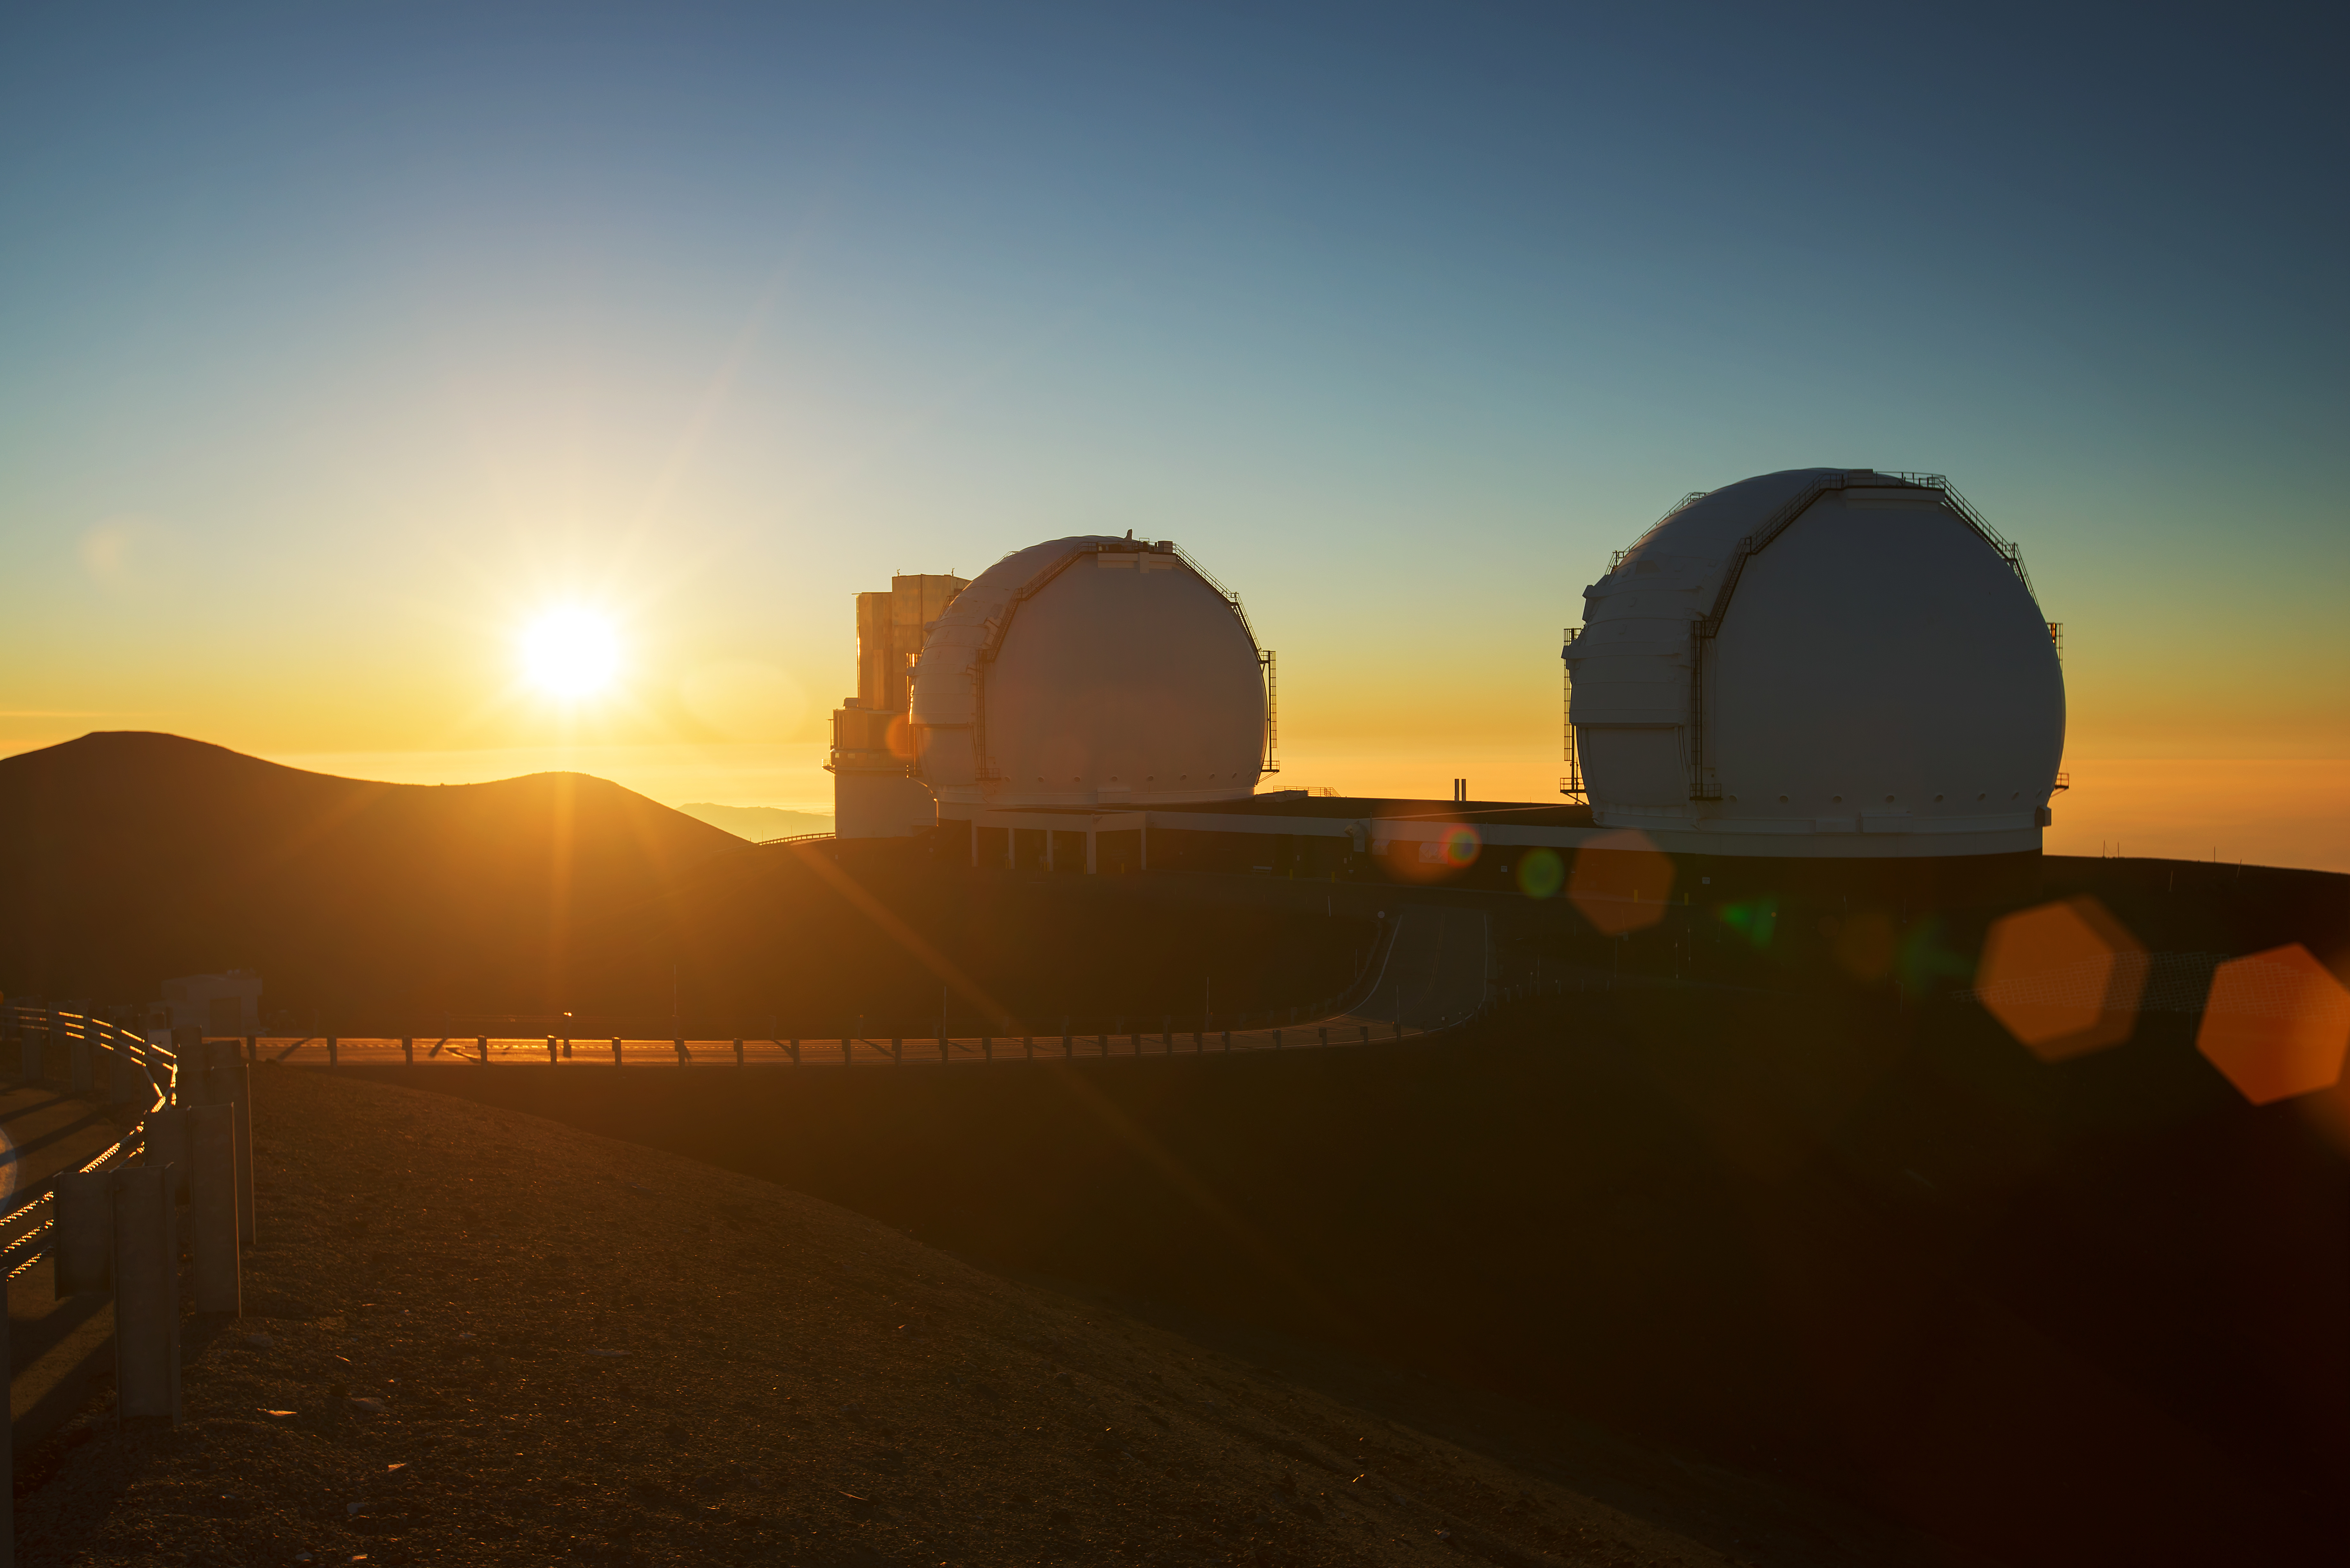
(571, 652)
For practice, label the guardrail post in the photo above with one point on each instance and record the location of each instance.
(1276, 1039)
(987, 1047)
(7, 1458)
(408, 1049)
(252, 1047)
(81, 1245)
(123, 1071)
(1028, 1047)
(897, 1050)
(848, 1055)
(334, 1054)
(616, 1050)
(738, 1051)
(230, 1083)
(550, 1048)
(167, 1147)
(211, 1207)
(682, 1059)
(567, 1047)
(146, 1297)
(483, 1043)
(795, 1050)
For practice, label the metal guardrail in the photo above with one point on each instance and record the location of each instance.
(1352, 1015)
(32, 1220)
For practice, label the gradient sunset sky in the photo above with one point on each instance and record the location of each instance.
(337, 341)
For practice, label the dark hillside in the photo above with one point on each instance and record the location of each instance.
(2085, 1313)
(128, 856)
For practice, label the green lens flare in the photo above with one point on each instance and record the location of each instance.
(1541, 873)
(1756, 919)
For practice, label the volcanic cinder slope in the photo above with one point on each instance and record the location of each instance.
(128, 856)
(473, 1336)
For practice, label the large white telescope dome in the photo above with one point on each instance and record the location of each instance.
(1834, 662)
(1089, 671)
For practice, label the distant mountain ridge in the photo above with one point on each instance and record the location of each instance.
(758, 824)
(126, 856)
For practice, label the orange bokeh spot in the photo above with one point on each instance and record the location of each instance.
(1622, 881)
(2276, 1024)
(2065, 978)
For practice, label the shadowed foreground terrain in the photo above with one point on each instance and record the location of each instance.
(475, 1337)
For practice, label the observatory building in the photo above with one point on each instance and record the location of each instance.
(873, 793)
(1079, 682)
(1818, 663)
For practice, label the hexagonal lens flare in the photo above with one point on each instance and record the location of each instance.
(2065, 978)
(2277, 1024)
(1621, 881)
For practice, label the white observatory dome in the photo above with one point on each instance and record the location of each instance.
(1819, 662)
(1089, 671)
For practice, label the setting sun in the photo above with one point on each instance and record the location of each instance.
(571, 652)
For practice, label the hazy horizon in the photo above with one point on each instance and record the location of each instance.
(344, 346)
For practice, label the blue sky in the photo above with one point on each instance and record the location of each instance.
(337, 338)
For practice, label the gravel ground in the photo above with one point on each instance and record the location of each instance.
(474, 1336)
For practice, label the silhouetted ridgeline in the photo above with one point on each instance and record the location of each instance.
(128, 858)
